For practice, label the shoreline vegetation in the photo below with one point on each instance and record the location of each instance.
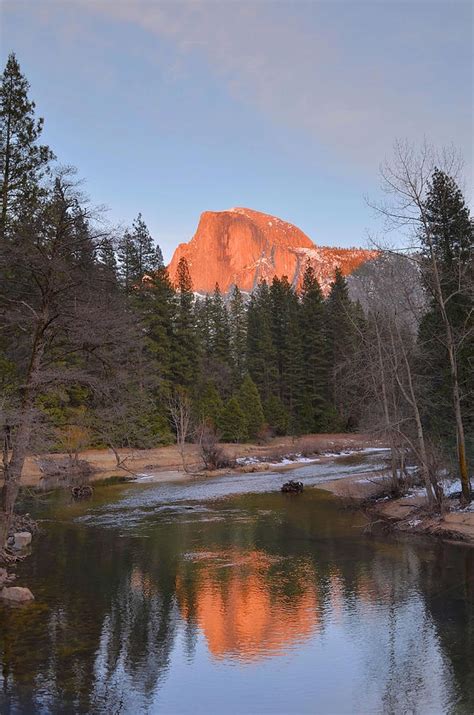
(408, 514)
(365, 491)
(165, 463)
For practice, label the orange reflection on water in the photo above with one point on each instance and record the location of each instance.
(247, 605)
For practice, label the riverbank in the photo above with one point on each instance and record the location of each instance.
(407, 514)
(164, 463)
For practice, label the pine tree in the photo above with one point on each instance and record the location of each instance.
(233, 423)
(312, 327)
(238, 335)
(446, 338)
(276, 415)
(23, 160)
(185, 353)
(251, 406)
(149, 256)
(341, 347)
(156, 304)
(128, 262)
(287, 344)
(203, 315)
(137, 254)
(107, 258)
(261, 355)
(208, 404)
(220, 332)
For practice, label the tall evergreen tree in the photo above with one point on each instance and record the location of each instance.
(106, 256)
(446, 337)
(287, 344)
(185, 343)
(149, 256)
(238, 334)
(251, 406)
(220, 335)
(316, 373)
(212, 322)
(276, 415)
(341, 345)
(156, 304)
(261, 354)
(128, 261)
(203, 316)
(23, 160)
(233, 422)
(137, 254)
(208, 404)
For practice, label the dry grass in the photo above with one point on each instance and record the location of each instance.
(168, 459)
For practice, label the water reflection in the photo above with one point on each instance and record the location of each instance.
(248, 604)
(264, 603)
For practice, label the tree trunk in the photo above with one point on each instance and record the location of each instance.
(412, 400)
(13, 466)
(386, 409)
(460, 438)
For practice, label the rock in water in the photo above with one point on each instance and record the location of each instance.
(16, 594)
(243, 247)
(82, 491)
(21, 539)
(292, 487)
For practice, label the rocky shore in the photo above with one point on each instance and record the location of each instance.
(409, 513)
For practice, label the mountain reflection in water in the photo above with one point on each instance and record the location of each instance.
(246, 604)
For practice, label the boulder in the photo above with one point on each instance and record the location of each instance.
(16, 594)
(21, 540)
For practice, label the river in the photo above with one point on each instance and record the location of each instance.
(225, 596)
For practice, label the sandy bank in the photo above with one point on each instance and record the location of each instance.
(164, 463)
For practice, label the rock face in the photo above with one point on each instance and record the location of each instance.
(243, 247)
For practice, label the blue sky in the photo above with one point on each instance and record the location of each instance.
(173, 108)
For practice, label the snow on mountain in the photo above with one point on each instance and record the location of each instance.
(242, 247)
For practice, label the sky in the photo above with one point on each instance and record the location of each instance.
(287, 107)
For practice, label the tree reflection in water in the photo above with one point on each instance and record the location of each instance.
(367, 624)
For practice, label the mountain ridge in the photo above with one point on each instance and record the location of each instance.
(242, 246)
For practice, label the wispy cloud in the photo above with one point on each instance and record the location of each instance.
(353, 76)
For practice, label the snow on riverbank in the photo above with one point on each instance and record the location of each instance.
(299, 458)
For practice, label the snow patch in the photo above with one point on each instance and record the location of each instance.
(370, 480)
(145, 477)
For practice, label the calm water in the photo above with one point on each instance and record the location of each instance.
(225, 596)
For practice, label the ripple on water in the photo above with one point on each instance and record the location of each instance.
(141, 502)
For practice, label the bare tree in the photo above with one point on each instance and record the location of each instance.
(406, 181)
(179, 406)
(60, 319)
(212, 452)
(390, 291)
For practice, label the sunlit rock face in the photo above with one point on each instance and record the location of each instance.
(243, 247)
(243, 604)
